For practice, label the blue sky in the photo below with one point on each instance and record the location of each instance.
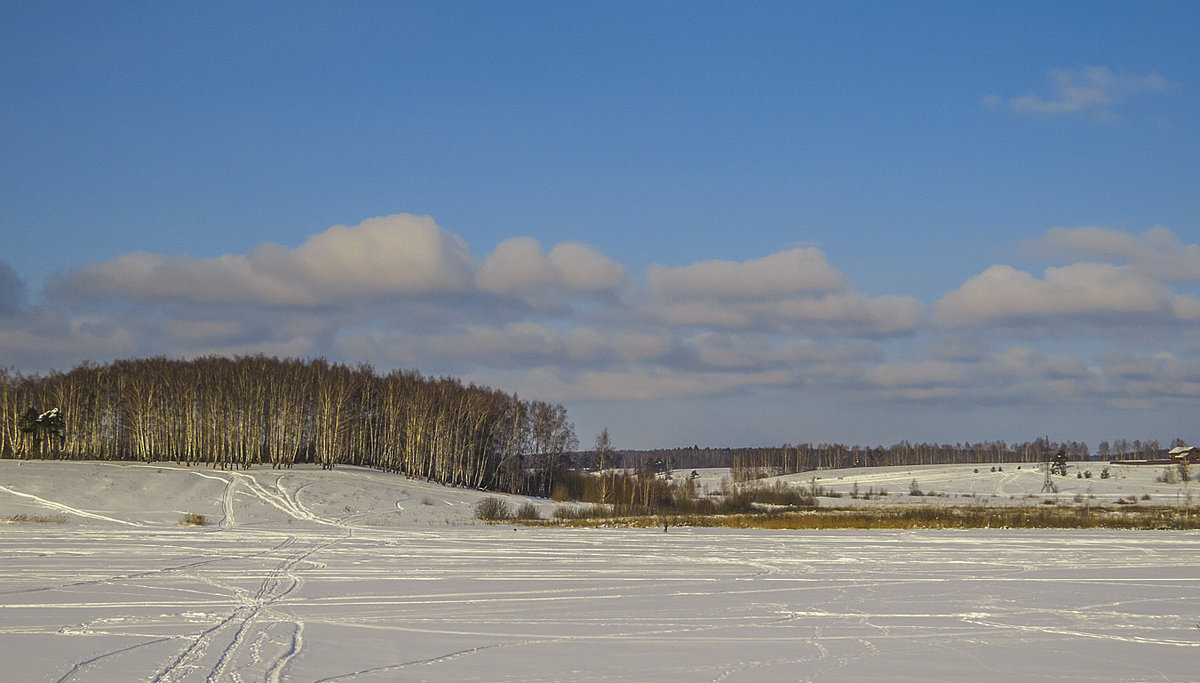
(713, 223)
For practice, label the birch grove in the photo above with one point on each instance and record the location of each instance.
(247, 411)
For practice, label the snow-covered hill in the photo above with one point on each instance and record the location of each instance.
(1006, 484)
(139, 495)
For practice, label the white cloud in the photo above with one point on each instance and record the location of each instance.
(392, 255)
(795, 289)
(1092, 241)
(800, 270)
(1082, 289)
(518, 266)
(400, 256)
(1090, 89)
(1132, 286)
(1157, 253)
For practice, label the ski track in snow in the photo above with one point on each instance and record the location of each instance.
(59, 507)
(251, 621)
(304, 579)
(228, 515)
(740, 598)
(278, 583)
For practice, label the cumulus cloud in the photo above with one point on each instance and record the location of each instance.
(1081, 290)
(1119, 277)
(1157, 252)
(1091, 241)
(392, 255)
(518, 265)
(1090, 89)
(788, 290)
(800, 270)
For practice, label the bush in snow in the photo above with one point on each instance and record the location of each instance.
(528, 512)
(493, 509)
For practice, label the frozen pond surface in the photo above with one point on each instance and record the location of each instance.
(288, 591)
(492, 603)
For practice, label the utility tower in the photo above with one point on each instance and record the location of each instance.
(1048, 482)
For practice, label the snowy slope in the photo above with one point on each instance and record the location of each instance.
(141, 495)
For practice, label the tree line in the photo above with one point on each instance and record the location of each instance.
(255, 410)
(750, 463)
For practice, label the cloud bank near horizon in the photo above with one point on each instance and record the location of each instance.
(1112, 324)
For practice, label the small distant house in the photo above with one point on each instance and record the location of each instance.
(1189, 454)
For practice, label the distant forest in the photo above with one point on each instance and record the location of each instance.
(246, 411)
(751, 463)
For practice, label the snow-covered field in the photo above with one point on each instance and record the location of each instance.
(1008, 484)
(356, 575)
